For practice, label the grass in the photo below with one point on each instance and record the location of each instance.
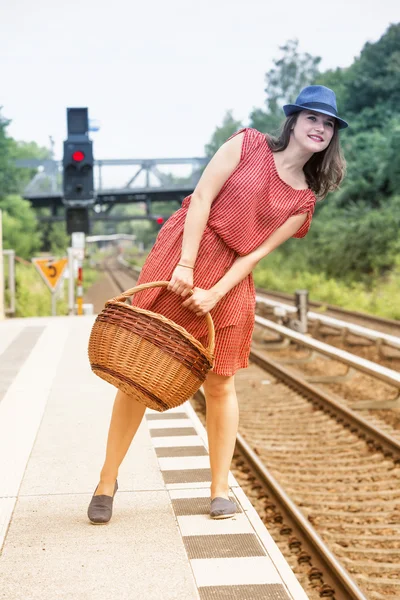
(379, 297)
(134, 257)
(33, 298)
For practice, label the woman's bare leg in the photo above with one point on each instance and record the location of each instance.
(126, 417)
(222, 419)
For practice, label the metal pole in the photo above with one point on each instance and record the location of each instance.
(53, 303)
(79, 289)
(2, 315)
(11, 279)
(71, 282)
(301, 299)
(100, 177)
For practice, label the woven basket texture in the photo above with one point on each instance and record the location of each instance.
(147, 356)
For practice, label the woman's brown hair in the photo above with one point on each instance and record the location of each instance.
(325, 170)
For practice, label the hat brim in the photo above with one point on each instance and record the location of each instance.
(290, 109)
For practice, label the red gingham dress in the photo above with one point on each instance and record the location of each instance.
(250, 206)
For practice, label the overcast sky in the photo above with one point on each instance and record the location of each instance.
(159, 75)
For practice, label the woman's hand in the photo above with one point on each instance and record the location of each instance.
(202, 301)
(181, 281)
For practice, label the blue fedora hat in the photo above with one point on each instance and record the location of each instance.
(318, 98)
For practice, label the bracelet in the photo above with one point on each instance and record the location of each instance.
(187, 266)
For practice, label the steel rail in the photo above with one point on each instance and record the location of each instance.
(325, 401)
(361, 364)
(358, 330)
(335, 575)
(111, 274)
(342, 311)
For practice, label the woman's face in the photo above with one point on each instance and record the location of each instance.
(314, 131)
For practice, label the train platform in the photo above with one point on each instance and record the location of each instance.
(161, 543)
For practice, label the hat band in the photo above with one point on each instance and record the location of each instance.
(320, 106)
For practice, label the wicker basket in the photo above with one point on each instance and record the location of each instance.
(146, 355)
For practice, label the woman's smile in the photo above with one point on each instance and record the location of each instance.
(316, 138)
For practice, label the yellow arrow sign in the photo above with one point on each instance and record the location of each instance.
(51, 270)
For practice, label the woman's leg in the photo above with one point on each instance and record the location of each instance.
(126, 417)
(222, 424)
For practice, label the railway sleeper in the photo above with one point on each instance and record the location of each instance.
(377, 404)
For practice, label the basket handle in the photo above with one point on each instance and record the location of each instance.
(145, 286)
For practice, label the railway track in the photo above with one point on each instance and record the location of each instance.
(120, 278)
(338, 489)
(330, 496)
(375, 345)
(390, 326)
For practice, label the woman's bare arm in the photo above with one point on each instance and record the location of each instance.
(203, 301)
(220, 167)
(245, 264)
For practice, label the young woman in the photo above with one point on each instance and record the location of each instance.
(255, 193)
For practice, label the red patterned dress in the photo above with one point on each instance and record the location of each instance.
(251, 205)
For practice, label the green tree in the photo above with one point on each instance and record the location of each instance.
(373, 80)
(25, 150)
(8, 172)
(291, 72)
(222, 133)
(20, 228)
(356, 241)
(367, 155)
(57, 239)
(336, 79)
(368, 92)
(356, 233)
(20, 231)
(392, 167)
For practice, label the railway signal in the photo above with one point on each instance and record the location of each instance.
(77, 218)
(78, 180)
(159, 221)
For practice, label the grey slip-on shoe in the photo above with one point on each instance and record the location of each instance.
(100, 507)
(221, 508)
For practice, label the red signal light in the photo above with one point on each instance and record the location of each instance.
(159, 220)
(78, 156)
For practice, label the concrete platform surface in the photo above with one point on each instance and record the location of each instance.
(161, 543)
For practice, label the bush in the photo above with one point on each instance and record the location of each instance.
(33, 298)
(277, 273)
(20, 231)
